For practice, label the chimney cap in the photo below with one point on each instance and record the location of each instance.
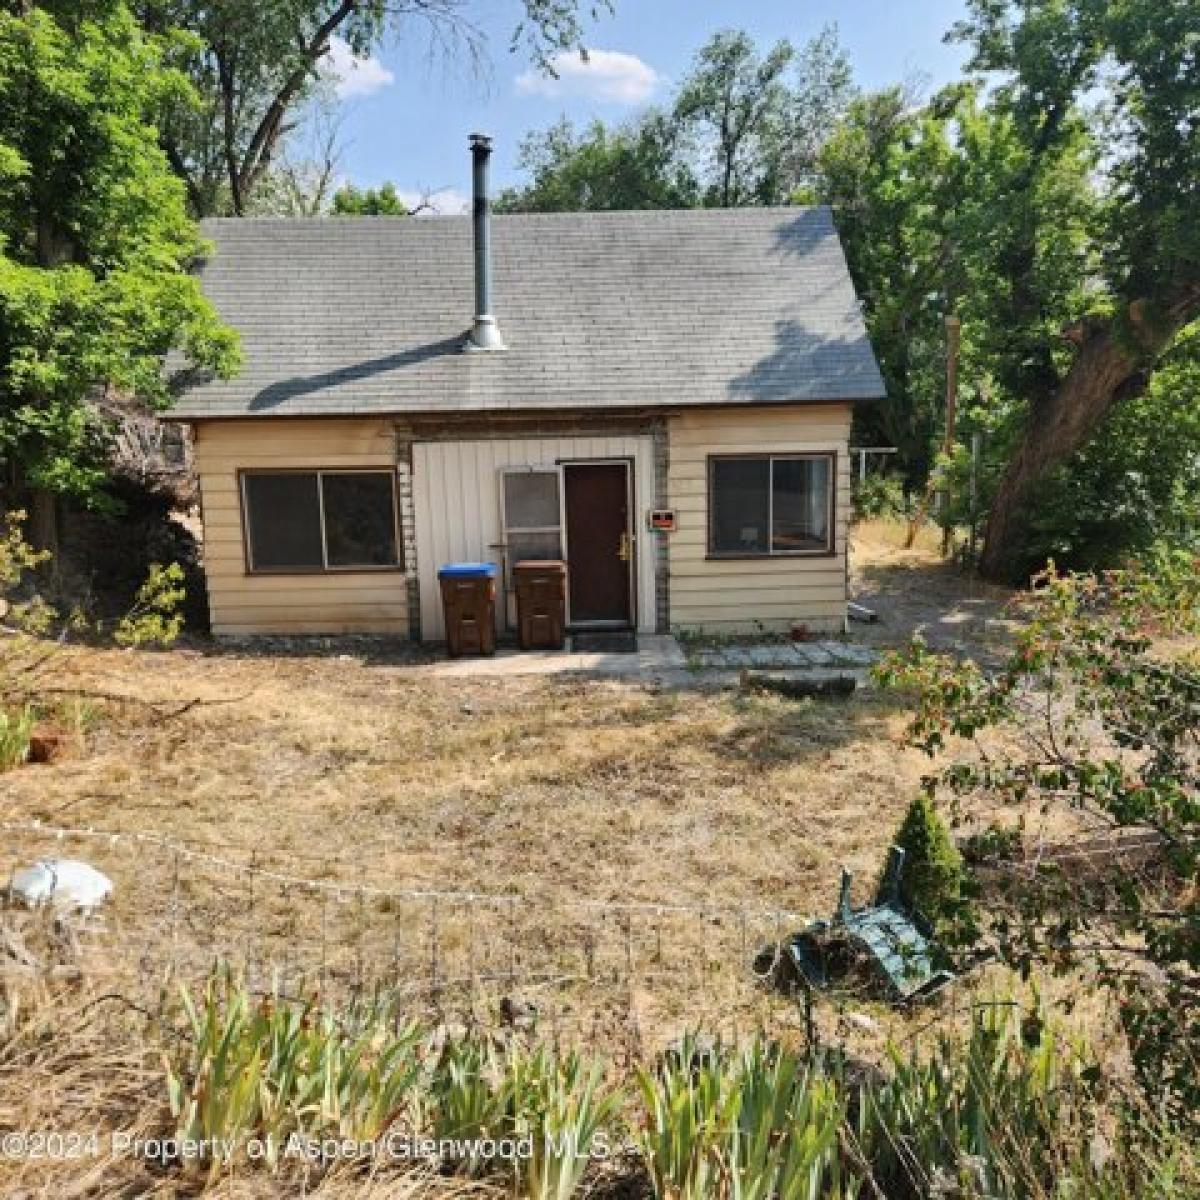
(480, 141)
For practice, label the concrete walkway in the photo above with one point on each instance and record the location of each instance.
(657, 654)
(661, 656)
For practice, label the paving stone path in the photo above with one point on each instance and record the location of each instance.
(782, 656)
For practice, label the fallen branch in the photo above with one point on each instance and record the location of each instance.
(828, 687)
(166, 714)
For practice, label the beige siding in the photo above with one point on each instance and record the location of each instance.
(241, 603)
(739, 595)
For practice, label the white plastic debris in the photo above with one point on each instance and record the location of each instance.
(63, 882)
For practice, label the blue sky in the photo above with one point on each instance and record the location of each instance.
(406, 114)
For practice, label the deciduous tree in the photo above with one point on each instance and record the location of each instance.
(95, 240)
(1051, 59)
(255, 66)
(639, 165)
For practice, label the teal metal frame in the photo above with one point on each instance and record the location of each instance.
(896, 940)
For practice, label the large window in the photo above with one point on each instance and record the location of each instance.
(320, 520)
(770, 504)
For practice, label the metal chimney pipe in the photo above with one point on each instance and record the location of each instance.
(484, 335)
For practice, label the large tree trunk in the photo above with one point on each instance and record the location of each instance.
(1108, 368)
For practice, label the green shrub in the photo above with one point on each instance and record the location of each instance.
(15, 730)
(995, 843)
(879, 496)
(156, 618)
(752, 1124)
(932, 877)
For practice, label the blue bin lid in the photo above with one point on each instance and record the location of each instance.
(467, 571)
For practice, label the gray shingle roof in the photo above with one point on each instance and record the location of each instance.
(634, 309)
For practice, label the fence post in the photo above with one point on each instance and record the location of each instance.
(976, 454)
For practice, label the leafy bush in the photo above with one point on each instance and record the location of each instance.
(156, 618)
(1099, 708)
(932, 877)
(996, 843)
(879, 496)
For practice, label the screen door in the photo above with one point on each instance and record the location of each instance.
(531, 509)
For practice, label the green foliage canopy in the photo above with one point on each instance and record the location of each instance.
(95, 240)
(743, 128)
(383, 201)
(633, 166)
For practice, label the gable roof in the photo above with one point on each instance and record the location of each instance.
(340, 316)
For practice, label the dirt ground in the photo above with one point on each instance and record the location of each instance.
(605, 856)
(365, 818)
(915, 591)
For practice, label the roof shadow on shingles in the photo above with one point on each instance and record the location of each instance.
(800, 236)
(308, 385)
(798, 352)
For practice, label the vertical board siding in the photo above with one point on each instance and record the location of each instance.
(242, 604)
(731, 595)
(456, 502)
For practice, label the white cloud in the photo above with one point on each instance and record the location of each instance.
(352, 76)
(444, 202)
(608, 75)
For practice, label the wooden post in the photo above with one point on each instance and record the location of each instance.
(953, 331)
(953, 328)
(976, 454)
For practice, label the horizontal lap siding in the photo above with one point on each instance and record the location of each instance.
(242, 604)
(739, 595)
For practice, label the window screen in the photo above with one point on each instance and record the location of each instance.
(320, 520)
(283, 522)
(799, 504)
(360, 519)
(741, 505)
(770, 505)
(531, 499)
(532, 513)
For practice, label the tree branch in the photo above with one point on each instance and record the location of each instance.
(259, 151)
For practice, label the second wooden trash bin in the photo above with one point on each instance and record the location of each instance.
(469, 605)
(541, 586)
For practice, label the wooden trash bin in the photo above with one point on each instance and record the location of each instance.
(469, 605)
(541, 586)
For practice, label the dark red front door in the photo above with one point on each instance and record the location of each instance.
(599, 548)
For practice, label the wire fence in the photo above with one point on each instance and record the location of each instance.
(619, 974)
(604, 970)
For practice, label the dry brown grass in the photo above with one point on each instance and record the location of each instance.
(363, 771)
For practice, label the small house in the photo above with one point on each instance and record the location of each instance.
(662, 399)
